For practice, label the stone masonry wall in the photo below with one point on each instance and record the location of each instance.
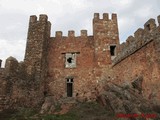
(139, 56)
(83, 77)
(105, 32)
(51, 62)
(37, 44)
(92, 56)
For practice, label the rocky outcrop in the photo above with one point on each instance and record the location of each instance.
(52, 106)
(125, 99)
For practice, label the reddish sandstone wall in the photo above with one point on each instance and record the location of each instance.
(93, 56)
(139, 56)
(105, 32)
(143, 63)
(82, 73)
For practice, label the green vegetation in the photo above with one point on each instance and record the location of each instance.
(81, 111)
(67, 116)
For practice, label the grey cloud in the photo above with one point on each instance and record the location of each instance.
(14, 26)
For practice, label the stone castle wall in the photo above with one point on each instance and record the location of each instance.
(82, 73)
(92, 55)
(51, 63)
(44, 70)
(139, 56)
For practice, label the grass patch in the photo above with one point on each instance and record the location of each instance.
(60, 117)
(81, 111)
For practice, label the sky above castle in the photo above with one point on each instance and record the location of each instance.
(68, 15)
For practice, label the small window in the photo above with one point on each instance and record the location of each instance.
(113, 50)
(69, 87)
(70, 60)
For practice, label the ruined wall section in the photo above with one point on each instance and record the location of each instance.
(105, 32)
(15, 87)
(139, 56)
(37, 45)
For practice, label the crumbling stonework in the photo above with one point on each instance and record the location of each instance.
(72, 67)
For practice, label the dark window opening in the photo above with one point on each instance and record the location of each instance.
(69, 60)
(148, 27)
(112, 50)
(69, 87)
(45, 93)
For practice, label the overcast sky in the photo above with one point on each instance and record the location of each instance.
(68, 15)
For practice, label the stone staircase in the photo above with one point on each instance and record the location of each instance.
(4, 102)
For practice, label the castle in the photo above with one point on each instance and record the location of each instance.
(72, 67)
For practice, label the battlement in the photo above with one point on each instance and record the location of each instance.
(71, 33)
(141, 38)
(105, 17)
(150, 25)
(42, 18)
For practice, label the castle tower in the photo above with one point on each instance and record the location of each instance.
(37, 44)
(106, 38)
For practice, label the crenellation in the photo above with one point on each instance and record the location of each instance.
(58, 34)
(130, 39)
(83, 33)
(33, 19)
(96, 16)
(71, 33)
(140, 39)
(139, 33)
(105, 16)
(123, 45)
(43, 18)
(150, 25)
(114, 17)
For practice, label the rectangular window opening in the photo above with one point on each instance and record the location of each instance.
(113, 50)
(70, 60)
(69, 87)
